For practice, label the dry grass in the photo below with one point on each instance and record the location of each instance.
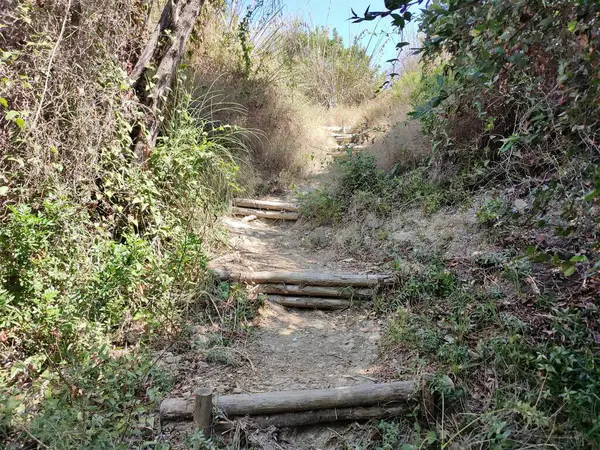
(383, 124)
(70, 110)
(287, 127)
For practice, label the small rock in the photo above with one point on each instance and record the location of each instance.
(202, 365)
(520, 205)
(372, 221)
(320, 236)
(172, 359)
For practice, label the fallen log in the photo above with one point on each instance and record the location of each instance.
(303, 418)
(312, 399)
(265, 204)
(315, 291)
(311, 302)
(305, 278)
(273, 215)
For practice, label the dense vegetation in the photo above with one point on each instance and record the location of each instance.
(103, 257)
(510, 95)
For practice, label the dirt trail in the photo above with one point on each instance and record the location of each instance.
(291, 348)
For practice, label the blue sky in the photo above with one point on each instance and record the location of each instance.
(335, 14)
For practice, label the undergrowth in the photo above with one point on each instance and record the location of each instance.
(509, 98)
(102, 270)
(361, 187)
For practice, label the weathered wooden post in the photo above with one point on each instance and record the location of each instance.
(203, 410)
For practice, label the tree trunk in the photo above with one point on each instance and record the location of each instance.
(164, 50)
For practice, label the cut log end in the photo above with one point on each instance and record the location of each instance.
(203, 410)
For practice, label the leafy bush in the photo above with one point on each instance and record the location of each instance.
(545, 384)
(361, 186)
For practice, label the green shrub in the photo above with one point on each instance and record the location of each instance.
(321, 207)
(80, 277)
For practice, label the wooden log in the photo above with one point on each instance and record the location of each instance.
(176, 408)
(340, 148)
(314, 399)
(336, 129)
(265, 204)
(383, 395)
(273, 215)
(303, 418)
(311, 302)
(305, 278)
(203, 410)
(342, 136)
(316, 291)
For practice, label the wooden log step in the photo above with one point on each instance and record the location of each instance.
(341, 148)
(315, 291)
(342, 136)
(311, 399)
(311, 302)
(372, 394)
(336, 129)
(273, 215)
(305, 278)
(172, 409)
(265, 204)
(303, 418)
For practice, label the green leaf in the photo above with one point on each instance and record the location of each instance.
(591, 195)
(572, 25)
(11, 115)
(579, 258)
(431, 437)
(3, 102)
(568, 269)
(20, 122)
